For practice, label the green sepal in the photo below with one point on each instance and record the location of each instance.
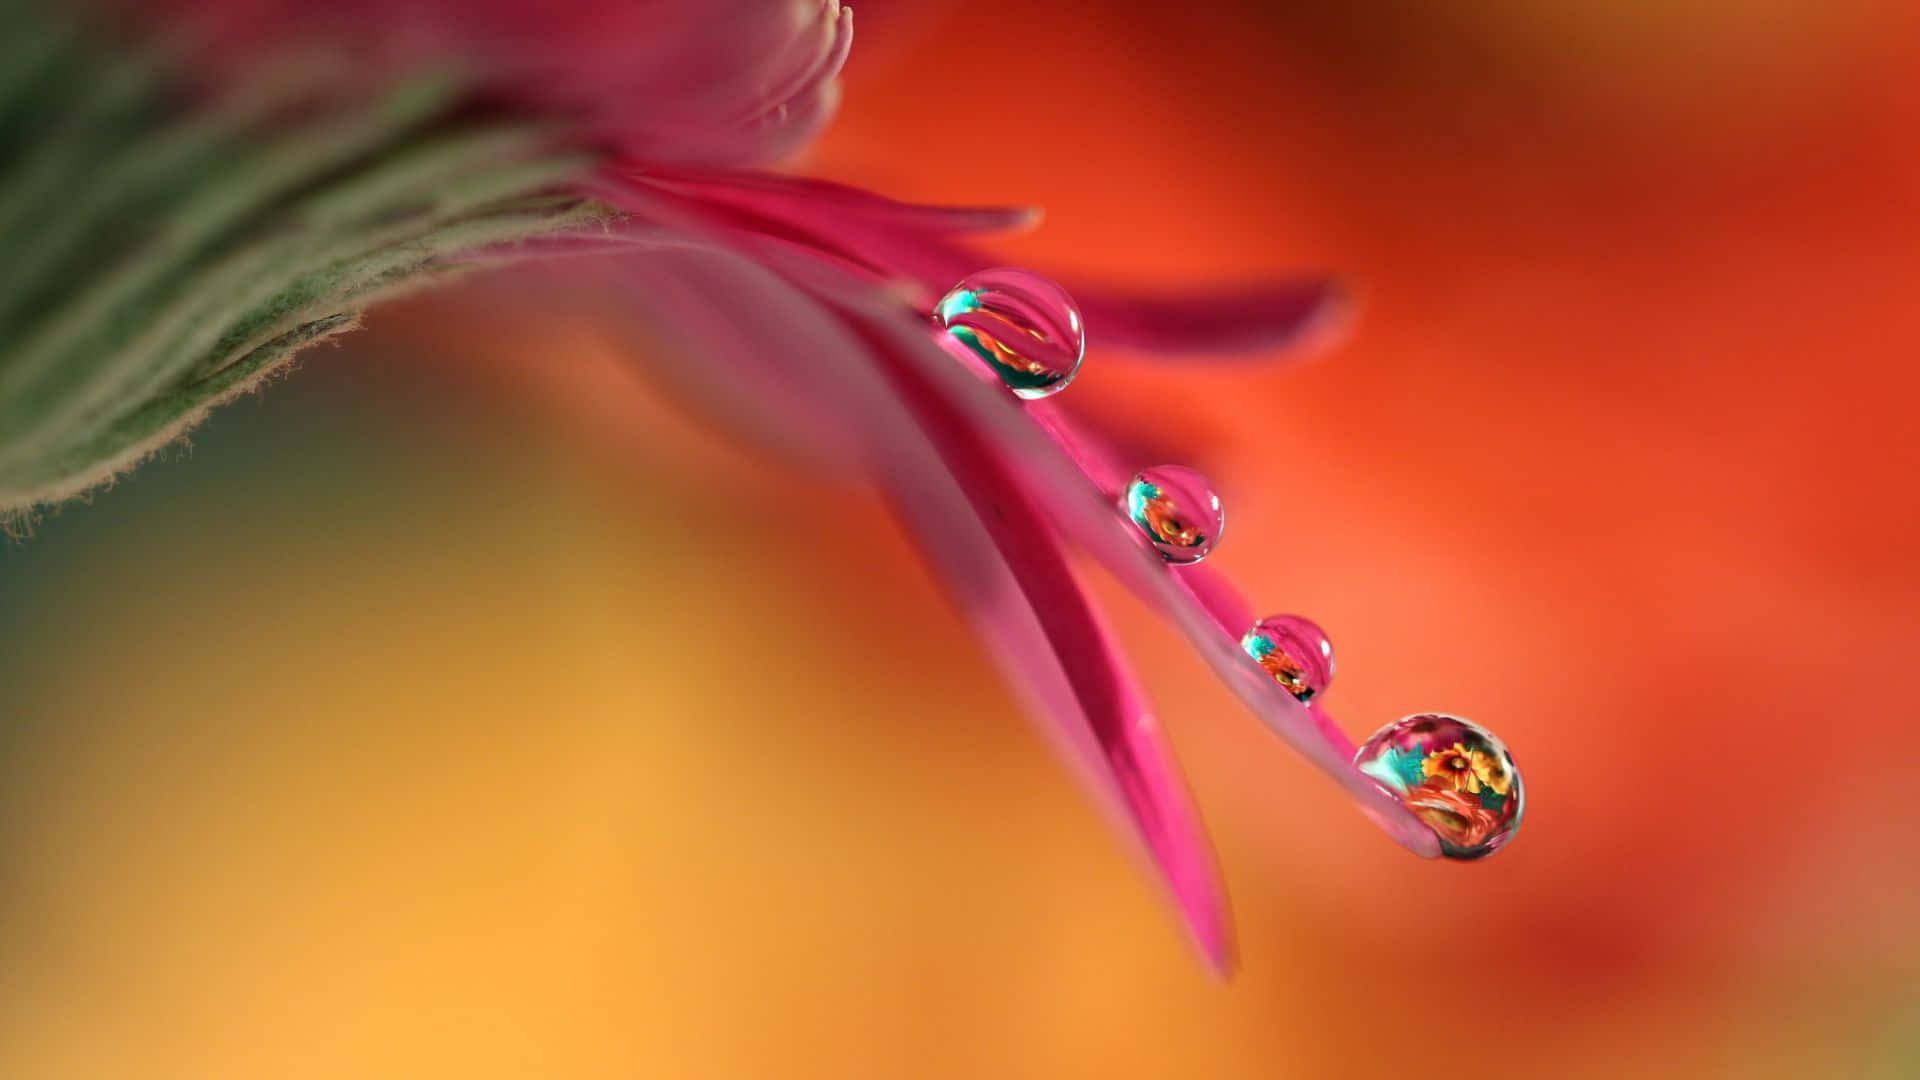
(158, 257)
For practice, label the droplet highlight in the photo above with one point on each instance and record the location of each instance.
(1177, 509)
(1453, 775)
(1295, 651)
(1022, 325)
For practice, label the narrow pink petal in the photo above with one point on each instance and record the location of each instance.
(1331, 730)
(914, 242)
(734, 342)
(1207, 587)
(1082, 510)
(1112, 441)
(824, 206)
(1086, 515)
(1103, 722)
(1210, 591)
(997, 551)
(1087, 445)
(737, 228)
(1213, 592)
(1297, 315)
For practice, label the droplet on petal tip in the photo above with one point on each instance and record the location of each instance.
(1023, 326)
(1177, 510)
(1295, 651)
(1453, 775)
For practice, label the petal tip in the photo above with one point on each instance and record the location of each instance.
(1222, 958)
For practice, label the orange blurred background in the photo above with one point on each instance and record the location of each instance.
(459, 709)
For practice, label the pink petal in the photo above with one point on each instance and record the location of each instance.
(997, 551)
(1047, 635)
(1086, 515)
(1298, 315)
(911, 242)
(733, 344)
(1102, 464)
(1207, 587)
(825, 205)
(1331, 731)
(738, 228)
(1214, 593)
(1078, 501)
(1086, 444)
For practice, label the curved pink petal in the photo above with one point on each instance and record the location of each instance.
(826, 205)
(1113, 439)
(737, 227)
(1214, 593)
(912, 242)
(1077, 499)
(1087, 445)
(1295, 315)
(1102, 464)
(1332, 731)
(1097, 712)
(1298, 315)
(1086, 515)
(732, 345)
(996, 549)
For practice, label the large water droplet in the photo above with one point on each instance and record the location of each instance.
(1454, 775)
(1024, 326)
(1178, 511)
(1295, 651)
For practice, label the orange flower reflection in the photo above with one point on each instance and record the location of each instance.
(1168, 525)
(1467, 770)
(1452, 766)
(1287, 673)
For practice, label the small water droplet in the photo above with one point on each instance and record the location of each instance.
(1177, 509)
(1295, 651)
(1025, 327)
(1454, 775)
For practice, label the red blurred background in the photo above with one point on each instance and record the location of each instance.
(486, 717)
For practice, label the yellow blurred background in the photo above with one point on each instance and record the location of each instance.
(456, 708)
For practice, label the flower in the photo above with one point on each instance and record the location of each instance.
(1467, 770)
(1452, 766)
(226, 216)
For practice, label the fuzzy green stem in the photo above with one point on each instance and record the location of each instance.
(159, 256)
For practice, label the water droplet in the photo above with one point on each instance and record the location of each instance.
(1025, 327)
(1454, 775)
(1295, 651)
(1178, 511)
